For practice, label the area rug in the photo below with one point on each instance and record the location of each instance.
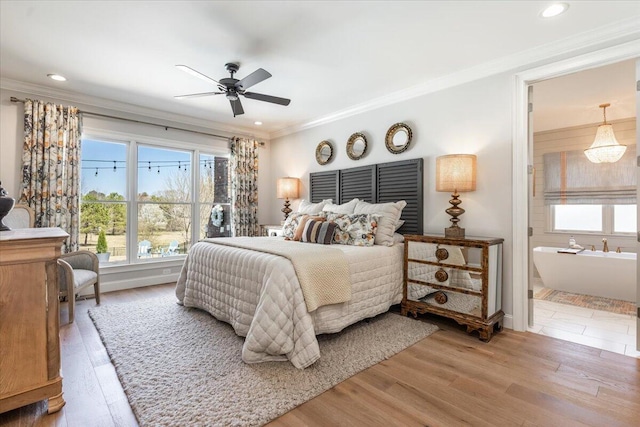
(587, 301)
(182, 367)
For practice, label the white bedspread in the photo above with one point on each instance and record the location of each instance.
(260, 296)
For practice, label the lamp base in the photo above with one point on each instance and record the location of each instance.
(454, 232)
(286, 210)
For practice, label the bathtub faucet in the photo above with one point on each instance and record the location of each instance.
(605, 248)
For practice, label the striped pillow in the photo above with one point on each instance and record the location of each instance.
(318, 232)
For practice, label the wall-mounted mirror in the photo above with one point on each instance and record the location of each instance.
(398, 138)
(356, 146)
(324, 152)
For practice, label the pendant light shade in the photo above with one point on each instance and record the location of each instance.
(605, 148)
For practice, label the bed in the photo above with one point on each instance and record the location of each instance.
(258, 293)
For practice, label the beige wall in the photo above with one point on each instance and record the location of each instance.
(568, 139)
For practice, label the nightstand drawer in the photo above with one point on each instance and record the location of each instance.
(443, 276)
(457, 302)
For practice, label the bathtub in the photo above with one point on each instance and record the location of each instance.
(603, 274)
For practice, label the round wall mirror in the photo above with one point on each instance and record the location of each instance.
(356, 146)
(398, 138)
(324, 152)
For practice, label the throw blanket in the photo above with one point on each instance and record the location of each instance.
(323, 272)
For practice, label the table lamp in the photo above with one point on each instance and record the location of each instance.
(455, 173)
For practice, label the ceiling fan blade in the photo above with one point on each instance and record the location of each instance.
(256, 77)
(197, 95)
(267, 98)
(236, 106)
(197, 74)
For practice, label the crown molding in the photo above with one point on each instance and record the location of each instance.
(122, 109)
(620, 31)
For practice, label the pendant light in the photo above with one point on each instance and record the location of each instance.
(605, 148)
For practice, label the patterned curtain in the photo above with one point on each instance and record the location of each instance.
(50, 167)
(244, 186)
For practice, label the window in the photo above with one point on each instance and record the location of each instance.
(606, 219)
(164, 201)
(158, 207)
(625, 218)
(104, 201)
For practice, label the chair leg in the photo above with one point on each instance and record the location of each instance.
(96, 290)
(72, 305)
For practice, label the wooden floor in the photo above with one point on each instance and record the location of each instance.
(448, 379)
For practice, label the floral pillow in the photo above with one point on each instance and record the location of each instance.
(291, 224)
(355, 229)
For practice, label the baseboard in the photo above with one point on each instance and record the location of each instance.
(507, 321)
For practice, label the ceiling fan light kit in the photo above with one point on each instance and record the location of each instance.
(232, 88)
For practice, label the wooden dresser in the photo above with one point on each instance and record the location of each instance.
(457, 278)
(29, 319)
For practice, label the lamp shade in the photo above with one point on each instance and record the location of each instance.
(456, 173)
(288, 188)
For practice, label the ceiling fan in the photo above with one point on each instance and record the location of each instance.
(232, 88)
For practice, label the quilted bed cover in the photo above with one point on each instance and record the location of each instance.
(259, 295)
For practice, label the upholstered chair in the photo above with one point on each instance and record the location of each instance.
(76, 271)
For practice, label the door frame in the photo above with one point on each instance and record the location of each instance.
(520, 160)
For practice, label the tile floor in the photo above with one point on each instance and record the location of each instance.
(595, 328)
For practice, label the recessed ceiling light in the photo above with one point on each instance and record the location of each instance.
(554, 10)
(257, 123)
(57, 77)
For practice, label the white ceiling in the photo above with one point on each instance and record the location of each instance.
(326, 56)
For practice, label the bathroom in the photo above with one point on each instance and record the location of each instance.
(589, 298)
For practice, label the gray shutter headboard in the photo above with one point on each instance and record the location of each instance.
(358, 183)
(323, 185)
(381, 183)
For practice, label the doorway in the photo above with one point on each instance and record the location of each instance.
(522, 296)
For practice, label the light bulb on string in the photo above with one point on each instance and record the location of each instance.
(179, 166)
(114, 166)
(158, 169)
(96, 172)
(149, 166)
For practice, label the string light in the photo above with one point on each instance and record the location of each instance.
(114, 166)
(96, 171)
(149, 166)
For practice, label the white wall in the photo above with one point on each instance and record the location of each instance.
(117, 277)
(473, 118)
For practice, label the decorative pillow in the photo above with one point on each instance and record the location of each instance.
(319, 232)
(390, 215)
(291, 224)
(306, 207)
(399, 224)
(356, 229)
(397, 238)
(345, 208)
(303, 221)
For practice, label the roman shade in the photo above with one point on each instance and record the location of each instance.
(571, 179)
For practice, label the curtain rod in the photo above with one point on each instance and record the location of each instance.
(14, 99)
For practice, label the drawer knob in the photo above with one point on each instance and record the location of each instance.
(442, 275)
(441, 297)
(442, 254)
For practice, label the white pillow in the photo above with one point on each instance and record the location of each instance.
(399, 224)
(397, 238)
(390, 213)
(345, 208)
(312, 208)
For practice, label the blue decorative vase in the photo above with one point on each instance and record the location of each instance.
(6, 204)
